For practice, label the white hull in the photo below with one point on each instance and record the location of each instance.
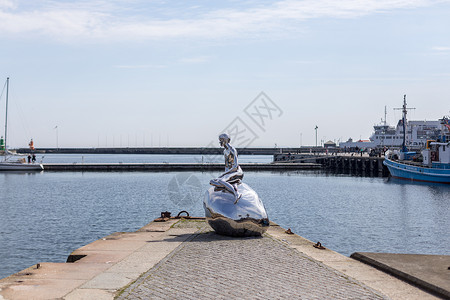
(11, 166)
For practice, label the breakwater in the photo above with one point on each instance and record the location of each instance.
(371, 166)
(168, 167)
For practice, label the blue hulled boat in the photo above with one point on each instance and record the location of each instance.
(437, 172)
(431, 165)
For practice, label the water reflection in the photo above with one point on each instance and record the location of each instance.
(438, 186)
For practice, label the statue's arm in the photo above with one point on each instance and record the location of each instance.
(235, 160)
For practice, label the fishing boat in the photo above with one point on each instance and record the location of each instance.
(432, 164)
(9, 161)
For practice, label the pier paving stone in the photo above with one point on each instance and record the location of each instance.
(185, 259)
(213, 266)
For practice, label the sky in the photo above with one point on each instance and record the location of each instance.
(178, 73)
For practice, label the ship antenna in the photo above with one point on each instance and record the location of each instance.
(6, 115)
(405, 111)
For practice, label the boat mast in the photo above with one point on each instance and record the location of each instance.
(6, 116)
(405, 111)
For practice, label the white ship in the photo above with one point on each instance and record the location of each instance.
(417, 134)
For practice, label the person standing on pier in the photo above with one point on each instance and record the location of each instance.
(233, 172)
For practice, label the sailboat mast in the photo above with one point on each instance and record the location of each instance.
(6, 114)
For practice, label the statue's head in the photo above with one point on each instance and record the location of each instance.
(224, 139)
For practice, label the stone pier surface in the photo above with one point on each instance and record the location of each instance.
(184, 258)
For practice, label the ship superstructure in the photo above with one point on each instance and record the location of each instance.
(417, 134)
(384, 135)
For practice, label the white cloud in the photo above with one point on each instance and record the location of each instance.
(7, 4)
(305, 62)
(441, 49)
(110, 21)
(195, 60)
(140, 66)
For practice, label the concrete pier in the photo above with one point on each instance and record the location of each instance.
(430, 272)
(183, 258)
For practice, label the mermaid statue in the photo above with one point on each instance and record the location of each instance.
(231, 206)
(233, 172)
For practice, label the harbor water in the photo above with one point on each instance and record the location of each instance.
(45, 216)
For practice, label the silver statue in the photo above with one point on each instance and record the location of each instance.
(233, 172)
(232, 207)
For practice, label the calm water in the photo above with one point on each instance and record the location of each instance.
(45, 216)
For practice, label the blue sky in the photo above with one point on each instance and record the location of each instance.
(176, 73)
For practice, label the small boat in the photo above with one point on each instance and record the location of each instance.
(10, 161)
(431, 165)
(19, 165)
